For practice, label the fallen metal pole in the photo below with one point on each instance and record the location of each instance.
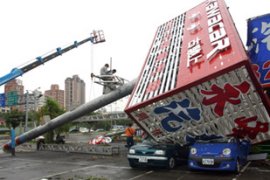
(69, 116)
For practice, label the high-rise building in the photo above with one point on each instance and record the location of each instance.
(74, 92)
(56, 94)
(14, 94)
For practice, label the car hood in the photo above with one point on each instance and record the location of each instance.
(150, 147)
(213, 148)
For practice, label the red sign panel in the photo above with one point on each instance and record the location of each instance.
(159, 74)
(197, 82)
(211, 43)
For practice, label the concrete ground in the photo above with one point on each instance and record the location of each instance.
(47, 165)
(57, 165)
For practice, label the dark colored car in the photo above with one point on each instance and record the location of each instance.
(150, 153)
(60, 139)
(225, 154)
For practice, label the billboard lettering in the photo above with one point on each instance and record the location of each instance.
(159, 73)
(209, 45)
(217, 34)
(216, 31)
(194, 52)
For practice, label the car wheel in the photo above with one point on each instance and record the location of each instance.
(171, 163)
(238, 167)
(132, 165)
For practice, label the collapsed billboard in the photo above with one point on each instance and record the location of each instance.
(197, 81)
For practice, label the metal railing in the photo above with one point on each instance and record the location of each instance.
(74, 148)
(85, 148)
(103, 117)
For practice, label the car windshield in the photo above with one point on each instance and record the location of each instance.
(149, 141)
(218, 140)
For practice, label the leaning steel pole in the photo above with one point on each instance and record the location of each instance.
(69, 116)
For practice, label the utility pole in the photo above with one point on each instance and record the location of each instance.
(69, 116)
(27, 106)
(26, 111)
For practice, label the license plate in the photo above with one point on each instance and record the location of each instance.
(143, 159)
(208, 161)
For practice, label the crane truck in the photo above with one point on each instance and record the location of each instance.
(95, 38)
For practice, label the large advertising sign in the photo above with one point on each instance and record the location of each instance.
(197, 82)
(258, 43)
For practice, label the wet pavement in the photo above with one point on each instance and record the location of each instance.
(47, 165)
(41, 165)
(59, 165)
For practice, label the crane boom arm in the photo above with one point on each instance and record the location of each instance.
(95, 37)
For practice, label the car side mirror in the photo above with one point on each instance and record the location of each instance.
(244, 142)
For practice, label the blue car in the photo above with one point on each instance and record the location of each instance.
(224, 154)
(151, 153)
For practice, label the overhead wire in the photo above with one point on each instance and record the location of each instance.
(91, 89)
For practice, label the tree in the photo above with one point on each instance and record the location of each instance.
(34, 117)
(13, 118)
(53, 109)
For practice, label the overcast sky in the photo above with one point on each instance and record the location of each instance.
(31, 28)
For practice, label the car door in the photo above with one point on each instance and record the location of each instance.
(243, 150)
(245, 145)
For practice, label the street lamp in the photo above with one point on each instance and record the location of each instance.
(26, 111)
(27, 107)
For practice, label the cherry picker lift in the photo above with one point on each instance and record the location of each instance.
(95, 38)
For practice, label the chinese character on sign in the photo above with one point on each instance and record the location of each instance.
(162, 56)
(222, 95)
(194, 28)
(195, 17)
(249, 127)
(158, 69)
(195, 25)
(264, 72)
(165, 41)
(176, 113)
(194, 52)
(141, 116)
(264, 31)
(156, 132)
(153, 86)
(255, 68)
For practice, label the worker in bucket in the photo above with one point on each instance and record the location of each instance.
(104, 70)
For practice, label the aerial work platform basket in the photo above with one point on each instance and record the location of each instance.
(109, 82)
